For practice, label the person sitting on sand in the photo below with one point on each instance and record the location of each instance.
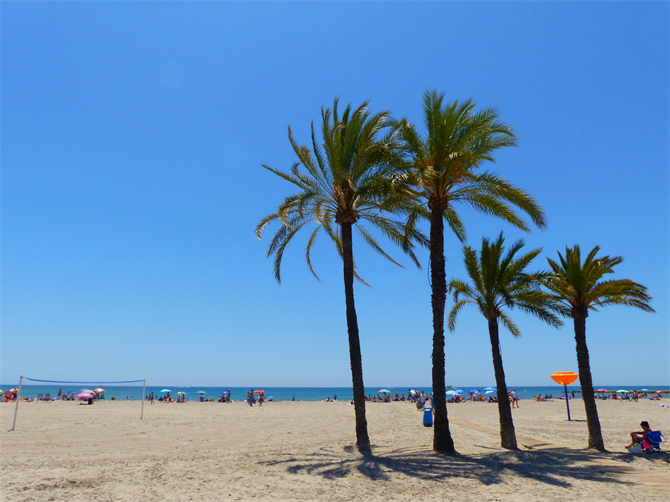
(638, 437)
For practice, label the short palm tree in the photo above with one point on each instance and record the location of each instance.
(580, 289)
(343, 182)
(498, 283)
(442, 173)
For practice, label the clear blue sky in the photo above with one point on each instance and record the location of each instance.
(132, 138)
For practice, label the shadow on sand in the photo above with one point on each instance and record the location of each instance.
(555, 466)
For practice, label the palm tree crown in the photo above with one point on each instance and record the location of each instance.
(443, 168)
(500, 282)
(580, 288)
(345, 180)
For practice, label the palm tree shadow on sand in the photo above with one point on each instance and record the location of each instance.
(554, 467)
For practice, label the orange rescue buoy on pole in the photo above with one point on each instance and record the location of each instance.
(565, 378)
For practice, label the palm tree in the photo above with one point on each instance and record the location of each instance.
(346, 180)
(579, 288)
(498, 283)
(443, 172)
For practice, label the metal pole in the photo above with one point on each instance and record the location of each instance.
(16, 408)
(567, 403)
(144, 386)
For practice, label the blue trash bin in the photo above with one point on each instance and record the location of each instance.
(428, 416)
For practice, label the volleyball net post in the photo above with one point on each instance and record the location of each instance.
(18, 398)
(144, 387)
(18, 394)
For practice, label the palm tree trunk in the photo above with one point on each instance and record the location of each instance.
(442, 441)
(585, 380)
(362, 438)
(507, 434)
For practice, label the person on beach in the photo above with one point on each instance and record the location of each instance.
(638, 437)
(515, 398)
(261, 398)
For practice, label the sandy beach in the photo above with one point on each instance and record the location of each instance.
(303, 451)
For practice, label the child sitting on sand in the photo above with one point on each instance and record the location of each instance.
(638, 437)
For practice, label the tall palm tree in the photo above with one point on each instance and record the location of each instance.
(443, 172)
(497, 283)
(580, 289)
(343, 182)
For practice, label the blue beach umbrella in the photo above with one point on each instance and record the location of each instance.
(458, 391)
(644, 390)
(490, 388)
(473, 391)
(622, 390)
(201, 392)
(69, 390)
(451, 392)
(489, 392)
(166, 390)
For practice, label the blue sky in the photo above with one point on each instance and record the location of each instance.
(132, 138)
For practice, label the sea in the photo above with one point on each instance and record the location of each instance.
(134, 392)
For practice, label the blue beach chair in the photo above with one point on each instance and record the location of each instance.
(653, 442)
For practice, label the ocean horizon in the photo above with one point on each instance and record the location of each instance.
(134, 392)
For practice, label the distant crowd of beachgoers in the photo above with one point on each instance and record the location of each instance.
(386, 396)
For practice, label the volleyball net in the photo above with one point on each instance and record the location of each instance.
(97, 382)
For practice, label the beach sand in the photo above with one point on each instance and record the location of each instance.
(304, 451)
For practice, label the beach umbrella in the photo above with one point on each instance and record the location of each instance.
(644, 390)
(166, 390)
(384, 390)
(490, 388)
(86, 390)
(451, 392)
(602, 390)
(622, 390)
(201, 392)
(181, 392)
(657, 392)
(84, 395)
(69, 390)
(259, 392)
(458, 391)
(490, 391)
(473, 391)
(99, 390)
